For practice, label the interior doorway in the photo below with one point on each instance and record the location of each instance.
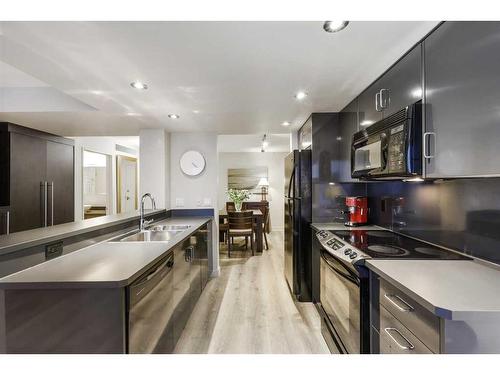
(126, 183)
(96, 184)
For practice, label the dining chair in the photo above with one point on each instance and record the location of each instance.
(240, 225)
(230, 206)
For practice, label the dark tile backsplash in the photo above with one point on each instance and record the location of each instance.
(462, 214)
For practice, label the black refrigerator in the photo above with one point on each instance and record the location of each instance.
(298, 215)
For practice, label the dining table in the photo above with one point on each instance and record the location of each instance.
(258, 219)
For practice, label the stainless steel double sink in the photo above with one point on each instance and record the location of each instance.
(155, 233)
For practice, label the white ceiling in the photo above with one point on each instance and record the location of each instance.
(240, 76)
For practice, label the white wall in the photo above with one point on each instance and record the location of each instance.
(275, 163)
(154, 165)
(195, 190)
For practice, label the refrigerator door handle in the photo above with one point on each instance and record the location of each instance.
(292, 178)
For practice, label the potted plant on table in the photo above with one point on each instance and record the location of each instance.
(238, 197)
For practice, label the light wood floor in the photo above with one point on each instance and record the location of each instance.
(249, 309)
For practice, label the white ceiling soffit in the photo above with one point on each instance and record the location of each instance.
(253, 143)
(239, 77)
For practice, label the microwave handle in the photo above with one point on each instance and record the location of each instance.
(426, 144)
(384, 103)
(377, 101)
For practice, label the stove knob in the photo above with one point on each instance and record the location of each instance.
(347, 252)
(353, 255)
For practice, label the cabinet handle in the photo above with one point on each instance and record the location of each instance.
(43, 189)
(408, 346)
(51, 186)
(400, 303)
(384, 103)
(426, 145)
(377, 101)
(7, 222)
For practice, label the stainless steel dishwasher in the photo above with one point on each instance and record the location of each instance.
(150, 309)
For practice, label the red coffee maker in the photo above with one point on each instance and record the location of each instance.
(357, 209)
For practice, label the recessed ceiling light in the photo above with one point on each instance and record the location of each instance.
(334, 26)
(133, 114)
(139, 85)
(300, 95)
(196, 111)
(285, 123)
(174, 116)
(339, 138)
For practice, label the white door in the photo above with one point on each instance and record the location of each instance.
(128, 187)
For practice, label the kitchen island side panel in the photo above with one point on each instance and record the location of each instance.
(70, 321)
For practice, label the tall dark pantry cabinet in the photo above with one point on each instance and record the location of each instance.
(36, 179)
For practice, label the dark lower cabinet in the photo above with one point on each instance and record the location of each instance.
(160, 301)
(37, 178)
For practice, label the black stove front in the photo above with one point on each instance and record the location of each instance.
(383, 244)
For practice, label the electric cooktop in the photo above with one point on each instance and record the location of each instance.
(385, 244)
(354, 246)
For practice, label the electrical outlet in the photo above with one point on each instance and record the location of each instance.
(198, 202)
(207, 202)
(179, 202)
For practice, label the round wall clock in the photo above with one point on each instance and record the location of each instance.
(192, 163)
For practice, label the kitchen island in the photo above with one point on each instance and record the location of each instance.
(117, 296)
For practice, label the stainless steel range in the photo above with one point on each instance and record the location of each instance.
(344, 282)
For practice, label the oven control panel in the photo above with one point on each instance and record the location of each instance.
(339, 248)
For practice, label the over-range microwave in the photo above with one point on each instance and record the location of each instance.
(391, 148)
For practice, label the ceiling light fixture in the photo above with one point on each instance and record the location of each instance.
(265, 143)
(196, 111)
(285, 123)
(173, 116)
(334, 26)
(300, 95)
(139, 85)
(366, 123)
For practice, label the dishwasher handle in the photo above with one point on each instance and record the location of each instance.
(146, 283)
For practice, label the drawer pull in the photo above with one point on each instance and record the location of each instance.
(400, 303)
(405, 345)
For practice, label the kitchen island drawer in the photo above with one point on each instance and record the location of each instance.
(395, 338)
(416, 318)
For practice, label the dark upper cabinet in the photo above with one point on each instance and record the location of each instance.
(462, 75)
(305, 135)
(37, 178)
(348, 125)
(397, 88)
(401, 85)
(369, 111)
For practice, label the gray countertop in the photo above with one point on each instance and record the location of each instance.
(451, 289)
(341, 226)
(104, 265)
(21, 240)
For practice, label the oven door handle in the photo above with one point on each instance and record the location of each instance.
(347, 275)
